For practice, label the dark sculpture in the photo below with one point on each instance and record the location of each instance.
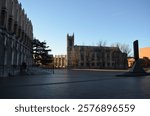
(136, 50)
(137, 69)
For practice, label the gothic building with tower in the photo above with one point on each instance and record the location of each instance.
(16, 35)
(94, 56)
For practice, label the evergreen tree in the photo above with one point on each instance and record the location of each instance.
(41, 54)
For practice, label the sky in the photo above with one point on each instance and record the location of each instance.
(91, 21)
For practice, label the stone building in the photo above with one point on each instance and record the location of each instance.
(60, 61)
(16, 35)
(94, 56)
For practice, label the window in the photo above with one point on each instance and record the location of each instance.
(87, 64)
(9, 24)
(82, 57)
(15, 28)
(93, 64)
(108, 64)
(3, 15)
(108, 56)
(81, 64)
(93, 57)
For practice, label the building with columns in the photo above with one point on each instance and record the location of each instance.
(60, 61)
(94, 56)
(16, 35)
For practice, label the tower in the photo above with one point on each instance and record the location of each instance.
(70, 45)
(70, 40)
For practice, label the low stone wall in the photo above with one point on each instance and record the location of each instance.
(7, 71)
(11, 71)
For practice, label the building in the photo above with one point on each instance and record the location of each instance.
(94, 56)
(145, 52)
(60, 61)
(145, 55)
(16, 35)
(131, 61)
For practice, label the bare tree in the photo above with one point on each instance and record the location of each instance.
(101, 43)
(125, 48)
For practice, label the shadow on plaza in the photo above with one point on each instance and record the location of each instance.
(75, 84)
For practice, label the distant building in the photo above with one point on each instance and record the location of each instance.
(131, 61)
(16, 35)
(145, 52)
(94, 56)
(60, 61)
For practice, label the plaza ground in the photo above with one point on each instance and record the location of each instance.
(75, 84)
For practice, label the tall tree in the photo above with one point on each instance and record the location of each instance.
(41, 52)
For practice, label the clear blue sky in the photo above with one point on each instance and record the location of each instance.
(91, 21)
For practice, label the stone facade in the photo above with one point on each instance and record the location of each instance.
(16, 34)
(60, 61)
(94, 56)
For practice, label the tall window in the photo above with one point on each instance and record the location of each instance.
(15, 28)
(9, 24)
(19, 32)
(3, 16)
(82, 57)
